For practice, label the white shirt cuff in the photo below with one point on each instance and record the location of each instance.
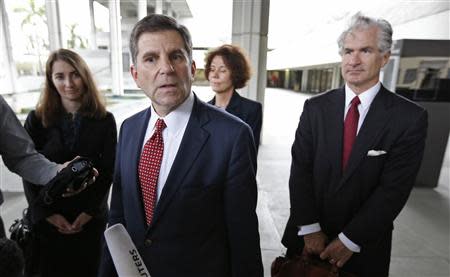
(349, 244)
(309, 229)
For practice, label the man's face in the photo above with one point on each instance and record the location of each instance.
(163, 70)
(362, 60)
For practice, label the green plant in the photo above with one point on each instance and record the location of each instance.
(75, 40)
(34, 19)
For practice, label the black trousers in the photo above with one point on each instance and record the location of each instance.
(54, 254)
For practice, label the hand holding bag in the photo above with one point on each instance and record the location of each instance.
(75, 177)
(305, 265)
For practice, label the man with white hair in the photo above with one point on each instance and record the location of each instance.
(355, 157)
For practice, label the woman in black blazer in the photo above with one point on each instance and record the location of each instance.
(227, 68)
(70, 120)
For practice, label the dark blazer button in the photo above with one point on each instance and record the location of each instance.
(148, 242)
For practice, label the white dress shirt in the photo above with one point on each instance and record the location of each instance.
(366, 98)
(176, 122)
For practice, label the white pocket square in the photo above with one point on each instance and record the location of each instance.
(373, 153)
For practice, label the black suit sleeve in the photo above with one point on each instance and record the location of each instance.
(115, 216)
(35, 129)
(240, 198)
(301, 190)
(396, 182)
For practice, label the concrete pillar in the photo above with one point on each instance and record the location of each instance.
(6, 50)
(116, 47)
(304, 87)
(142, 9)
(250, 27)
(159, 6)
(336, 76)
(287, 75)
(53, 24)
(93, 36)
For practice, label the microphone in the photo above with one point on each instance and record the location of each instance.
(125, 256)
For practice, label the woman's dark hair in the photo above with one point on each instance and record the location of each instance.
(49, 107)
(235, 60)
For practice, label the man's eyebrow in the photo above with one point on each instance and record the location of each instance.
(177, 51)
(149, 53)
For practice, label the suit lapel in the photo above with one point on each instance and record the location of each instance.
(134, 153)
(334, 117)
(375, 120)
(234, 105)
(193, 140)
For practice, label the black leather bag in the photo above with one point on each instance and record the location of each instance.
(75, 176)
(21, 231)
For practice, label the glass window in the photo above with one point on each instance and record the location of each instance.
(410, 75)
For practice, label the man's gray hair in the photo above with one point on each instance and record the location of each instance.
(155, 23)
(360, 21)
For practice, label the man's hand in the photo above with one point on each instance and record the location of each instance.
(336, 253)
(80, 221)
(315, 242)
(61, 224)
(69, 191)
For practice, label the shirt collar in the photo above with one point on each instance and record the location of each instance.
(176, 119)
(366, 97)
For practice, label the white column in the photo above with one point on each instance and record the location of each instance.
(159, 6)
(304, 80)
(53, 24)
(336, 76)
(116, 47)
(250, 27)
(142, 9)
(6, 50)
(93, 36)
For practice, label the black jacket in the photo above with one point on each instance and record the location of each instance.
(248, 110)
(96, 139)
(363, 201)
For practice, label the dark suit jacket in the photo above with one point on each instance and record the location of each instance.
(363, 201)
(53, 253)
(248, 110)
(205, 222)
(96, 140)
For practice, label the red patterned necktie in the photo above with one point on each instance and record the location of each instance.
(149, 166)
(350, 128)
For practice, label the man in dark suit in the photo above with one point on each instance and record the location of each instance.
(199, 218)
(356, 154)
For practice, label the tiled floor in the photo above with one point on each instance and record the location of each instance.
(421, 235)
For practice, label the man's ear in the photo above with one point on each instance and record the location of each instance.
(385, 58)
(193, 69)
(133, 72)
